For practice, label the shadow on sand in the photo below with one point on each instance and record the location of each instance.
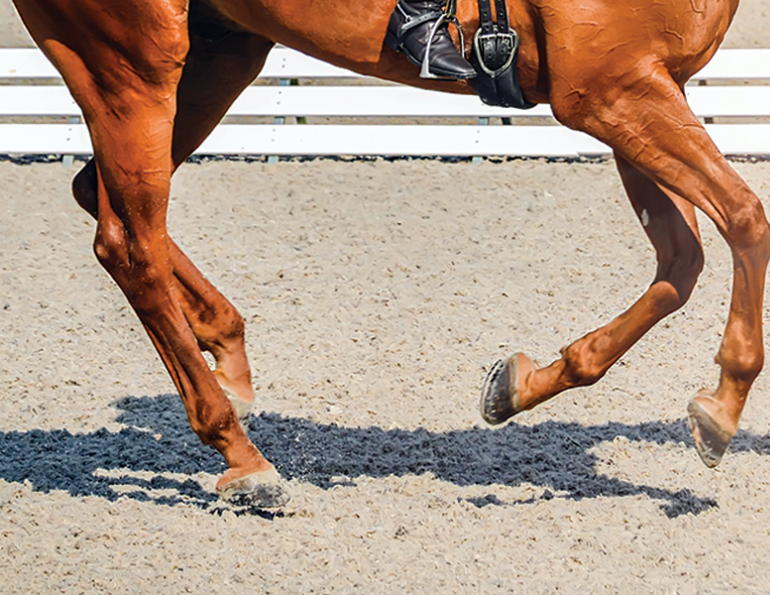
(554, 455)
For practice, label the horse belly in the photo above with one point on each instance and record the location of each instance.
(344, 32)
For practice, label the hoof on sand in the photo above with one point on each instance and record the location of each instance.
(258, 490)
(500, 394)
(711, 439)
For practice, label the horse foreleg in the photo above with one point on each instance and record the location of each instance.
(669, 221)
(126, 86)
(214, 75)
(216, 323)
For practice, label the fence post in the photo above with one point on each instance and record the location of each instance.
(478, 158)
(279, 120)
(67, 160)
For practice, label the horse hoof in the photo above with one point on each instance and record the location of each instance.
(500, 394)
(259, 490)
(711, 439)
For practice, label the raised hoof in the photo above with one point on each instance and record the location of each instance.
(258, 490)
(499, 402)
(711, 440)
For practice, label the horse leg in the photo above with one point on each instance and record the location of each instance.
(660, 135)
(214, 75)
(651, 126)
(126, 86)
(669, 221)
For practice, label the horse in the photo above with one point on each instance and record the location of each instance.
(154, 77)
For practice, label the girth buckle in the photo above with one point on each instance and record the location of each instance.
(495, 51)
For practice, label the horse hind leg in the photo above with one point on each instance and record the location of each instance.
(130, 114)
(214, 74)
(653, 128)
(518, 384)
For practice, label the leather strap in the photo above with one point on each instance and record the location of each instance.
(502, 16)
(412, 22)
(488, 25)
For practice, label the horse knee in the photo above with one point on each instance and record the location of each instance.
(134, 265)
(110, 246)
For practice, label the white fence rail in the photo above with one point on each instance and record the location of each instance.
(714, 94)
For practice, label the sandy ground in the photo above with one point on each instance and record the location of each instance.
(376, 294)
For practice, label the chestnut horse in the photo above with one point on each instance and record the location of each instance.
(153, 78)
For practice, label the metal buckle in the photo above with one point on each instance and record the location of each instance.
(482, 57)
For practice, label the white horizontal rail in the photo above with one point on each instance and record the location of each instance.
(738, 101)
(25, 63)
(30, 63)
(378, 101)
(36, 139)
(37, 100)
(330, 140)
(707, 101)
(289, 101)
(367, 102)
(737, 64)
(710, 101)
(400, 140)
(286, 63)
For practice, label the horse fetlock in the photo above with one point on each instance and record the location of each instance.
(232, 366)
(741, 366)
(220, 427)
(231, 330)
(219, 328)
